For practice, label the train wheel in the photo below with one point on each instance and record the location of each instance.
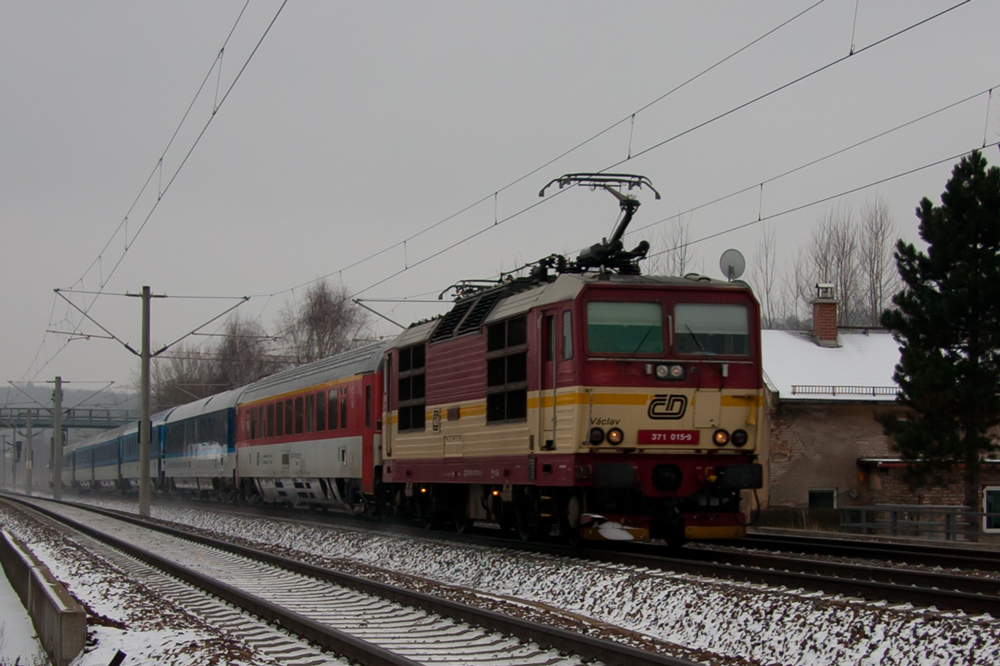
(526, 517)
(426, 513)
(571, 509)
(460, 516)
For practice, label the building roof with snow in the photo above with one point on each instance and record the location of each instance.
(799, 368)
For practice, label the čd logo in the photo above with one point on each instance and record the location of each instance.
(667, 407)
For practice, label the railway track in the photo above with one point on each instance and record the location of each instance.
(364, 621)
(930, 555)
(876, 581)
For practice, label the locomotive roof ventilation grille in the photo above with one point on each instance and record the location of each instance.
(446, 327)
(467, 316)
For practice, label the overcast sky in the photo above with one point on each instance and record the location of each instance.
(356, 125)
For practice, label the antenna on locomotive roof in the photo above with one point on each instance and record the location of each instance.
(610, 254)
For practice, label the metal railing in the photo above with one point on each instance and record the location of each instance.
(921, 521)
(806, 389)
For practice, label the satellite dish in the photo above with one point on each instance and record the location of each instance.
(732, 264)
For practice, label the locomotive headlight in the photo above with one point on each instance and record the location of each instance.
(670, 371)
(740, 437)
(615, 436)
(721, 437)
(596, 436)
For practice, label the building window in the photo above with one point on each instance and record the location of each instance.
(412, 386)
(507, 371)
(822, 498)
(991, 507)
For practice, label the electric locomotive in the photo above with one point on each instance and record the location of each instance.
(584, 400)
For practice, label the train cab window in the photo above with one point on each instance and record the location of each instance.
(567, 335)
(299, 415)
(624, 328)
(270, 420)
(320, 412)
(289, 417)
(334, 400)
(712, 328)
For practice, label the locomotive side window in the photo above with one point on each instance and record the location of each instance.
(712, 328)
(624, 328)
(567, 335)
(412, 388)
(507, 371)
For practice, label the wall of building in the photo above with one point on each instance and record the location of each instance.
(816, 445)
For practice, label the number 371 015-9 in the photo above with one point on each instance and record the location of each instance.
(687, 437)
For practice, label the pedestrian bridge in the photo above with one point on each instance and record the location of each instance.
(77, 417)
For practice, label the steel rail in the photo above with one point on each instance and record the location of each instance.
(586, 647)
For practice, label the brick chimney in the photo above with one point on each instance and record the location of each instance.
(825, 316)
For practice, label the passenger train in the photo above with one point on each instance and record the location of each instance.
(584, 400)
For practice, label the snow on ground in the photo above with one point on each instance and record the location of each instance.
(734, 621)
(124, 614)
(17, 634)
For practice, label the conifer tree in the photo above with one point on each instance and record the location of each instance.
(947, 321)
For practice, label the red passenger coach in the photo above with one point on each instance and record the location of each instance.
(593, 402)
(312, 434)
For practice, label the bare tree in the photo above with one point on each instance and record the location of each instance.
(325, 323)
(243, 353)
(833, 256)
(677, 257)
(763, 276)
(182, 375)
(878, 275)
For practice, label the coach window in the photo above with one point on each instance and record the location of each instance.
(299, 415)
(567, 335)
(712, 328)
(320, 412)
(624, 328)
(279, 417)
(310, 412)
(343, 410)
(334, 398)
(270, 420)
(289, 417)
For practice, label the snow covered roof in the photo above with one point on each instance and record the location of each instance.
(860, 368)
